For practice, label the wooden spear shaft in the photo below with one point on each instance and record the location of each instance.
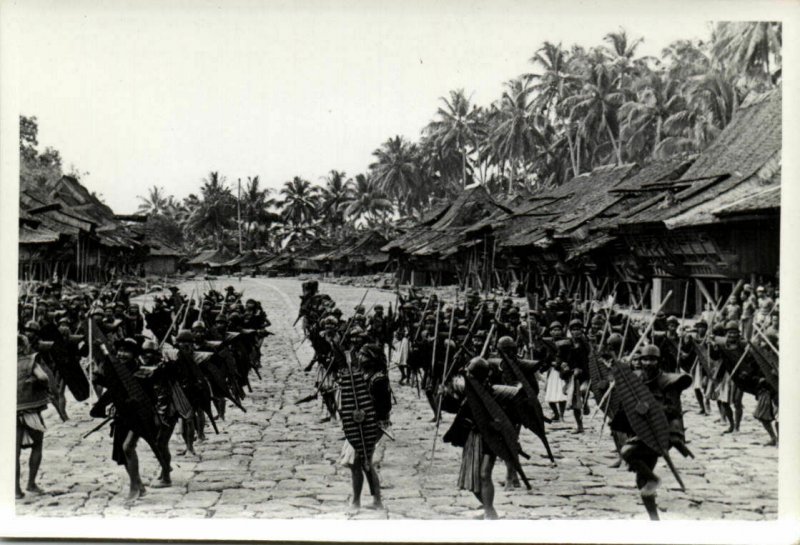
(683, 317)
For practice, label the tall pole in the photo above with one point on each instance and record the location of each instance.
(239, 212)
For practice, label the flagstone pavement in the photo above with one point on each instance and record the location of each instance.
(278, 460)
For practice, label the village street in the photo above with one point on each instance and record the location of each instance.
(278, 461)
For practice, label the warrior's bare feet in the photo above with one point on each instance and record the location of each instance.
(771, 443)
(729, 430)
(133, 495)
(162, 482)
(376, 505)
(490, 514)
(34, 490)
(353, 508)
(650, 487)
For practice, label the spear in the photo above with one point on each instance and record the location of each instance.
(422, 319)
(466, 339)
(435, 334)
(683, 317)
(441, 396)
(97, 428)
(763, 336)
(174, 321)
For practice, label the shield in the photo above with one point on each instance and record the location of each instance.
(69, 367)
(645, 414)
(767, 363)
(494, 426)
(196, 387)
(213, 369)
(180, 401)
(531, 414)
(702, 356)
(599, 375)
(358, 415)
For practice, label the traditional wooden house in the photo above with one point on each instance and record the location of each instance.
(358, 255)
(719, 222)
(67, 232)
(437, 251)
(207, 260)
(694, 225)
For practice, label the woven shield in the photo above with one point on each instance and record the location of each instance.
(358, 414)
(180, 401)
(598, 374)
(196, 387)
(214, 370)
(494, 426)
(702, 356)
(645, 414)
(529, 407)
(768, 364)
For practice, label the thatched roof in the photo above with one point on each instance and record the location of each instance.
(743, 161)
(210, 257)
(764, 201)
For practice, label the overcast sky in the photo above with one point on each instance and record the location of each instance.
(139, 95)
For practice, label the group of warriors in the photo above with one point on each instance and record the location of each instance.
(486, 360)
(144, 371)
(491, 363)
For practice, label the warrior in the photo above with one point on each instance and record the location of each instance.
(730, 394)
(32, 389)
(694, 341)
(195, 387)
(511, 364)
(482, 428)
(575, 370)
(555, 387)
(369, 362)
(477, 458)
(125, 438)
(159, 373)
(641, 458)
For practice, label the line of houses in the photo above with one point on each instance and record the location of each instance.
(693, 225)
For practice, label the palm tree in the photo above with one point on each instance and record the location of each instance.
(212, 214)
(337, 190)
(594, 108)
(556, 81)
(256, 214)
(366, 201)
(712, 101)
(455, 128)
(621, 51)
(515, 136)
(749, 48)
(658, 99)
(396, 172)
(154, 203)
(300, 201)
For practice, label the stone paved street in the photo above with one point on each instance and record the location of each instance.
(279, 461)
